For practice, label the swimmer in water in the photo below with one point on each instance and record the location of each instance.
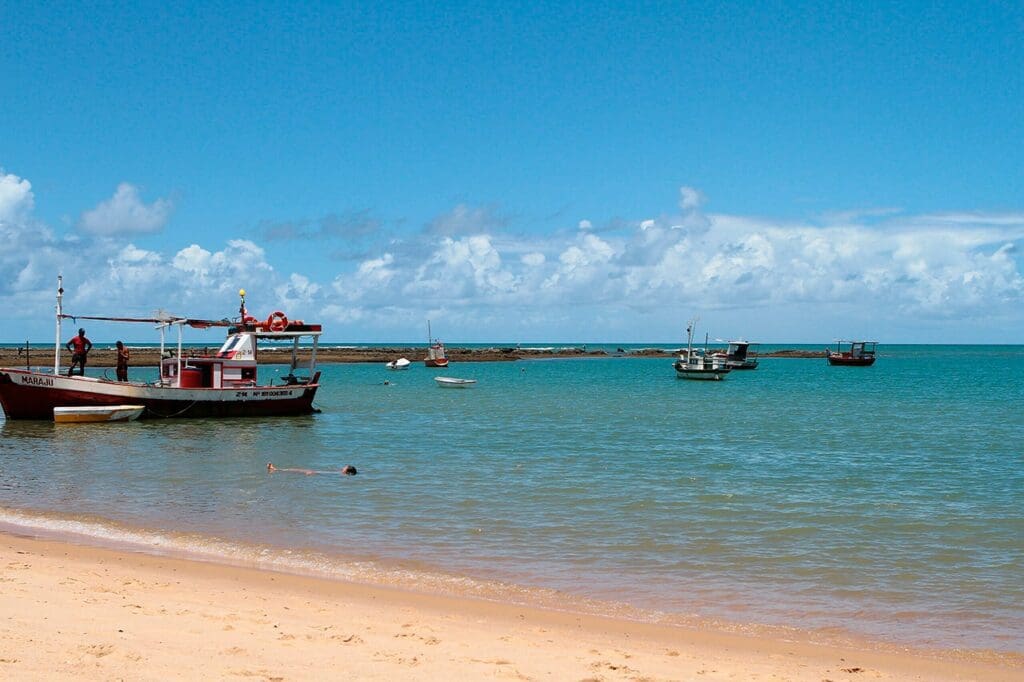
(347, 470)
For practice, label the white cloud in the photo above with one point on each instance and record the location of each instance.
(297, 292)
(16, 198)
(955, 271)
(690, 199)
(533, 259)
(125, 213)
(586, 225)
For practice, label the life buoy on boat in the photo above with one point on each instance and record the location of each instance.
(277, 322)
(249, 319)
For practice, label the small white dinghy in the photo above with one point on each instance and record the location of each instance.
(97, 413)
(452, 382)
(400, 363)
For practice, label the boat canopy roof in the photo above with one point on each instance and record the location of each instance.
(292, 329)
(168, 319)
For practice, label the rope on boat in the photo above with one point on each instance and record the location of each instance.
(169, 416)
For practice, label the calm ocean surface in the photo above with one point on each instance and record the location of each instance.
(885, 502)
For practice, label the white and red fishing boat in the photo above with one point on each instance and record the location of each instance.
(695, 363)
(435, 351)
(225, 384)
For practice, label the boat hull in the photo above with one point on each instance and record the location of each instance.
(841, 361)
(447, 382)
(700, 372)
(33, 395)
(97, 414)
(438, 362)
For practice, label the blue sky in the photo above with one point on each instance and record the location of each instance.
(519, 171)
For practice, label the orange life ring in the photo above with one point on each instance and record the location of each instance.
(277, 322)
(248, 319)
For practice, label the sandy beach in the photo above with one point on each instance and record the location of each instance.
(74, 612)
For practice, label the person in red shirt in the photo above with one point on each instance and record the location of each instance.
(79, 347)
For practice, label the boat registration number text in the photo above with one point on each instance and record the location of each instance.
(286, 393)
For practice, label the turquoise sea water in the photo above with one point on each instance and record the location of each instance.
(885, 502)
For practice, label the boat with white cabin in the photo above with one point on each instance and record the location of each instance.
(695, 363)
(224, 384)
(739, 355)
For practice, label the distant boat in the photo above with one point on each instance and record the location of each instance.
(400, 363)
(452, 382)
(696, 363)
(435, 351)
(860, 354)
(97, 413)
(739, 355)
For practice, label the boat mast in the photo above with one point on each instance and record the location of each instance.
(60, 312)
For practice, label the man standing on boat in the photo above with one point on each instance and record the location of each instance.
(122, 361)
(79, 347)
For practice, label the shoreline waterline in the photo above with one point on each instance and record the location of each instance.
(415, 578)
(81, 612)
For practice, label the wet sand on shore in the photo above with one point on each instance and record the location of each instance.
(77, 612)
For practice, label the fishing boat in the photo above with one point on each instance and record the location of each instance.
(695, 363)
(224, 384)
(399, 364)
(858, 354)
(435, 351)
(97, 414)
(452, 382)
(739, 355)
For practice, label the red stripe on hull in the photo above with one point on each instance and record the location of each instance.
(851, 362)
(37, 402)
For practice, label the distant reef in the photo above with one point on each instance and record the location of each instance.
(102, 357)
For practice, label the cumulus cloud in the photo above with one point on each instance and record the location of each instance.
(879, 268)
(876, 264)
(125, 213)
(16, 199)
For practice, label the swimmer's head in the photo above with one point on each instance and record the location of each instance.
(348, 470)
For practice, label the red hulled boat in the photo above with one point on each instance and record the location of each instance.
(435, 351)
(224, 384)
(859, 354)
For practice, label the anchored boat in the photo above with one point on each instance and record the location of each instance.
(695, 363)
(225, 384)
(435, 351)
(858, 354)
(739, 355)
(452, 382)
